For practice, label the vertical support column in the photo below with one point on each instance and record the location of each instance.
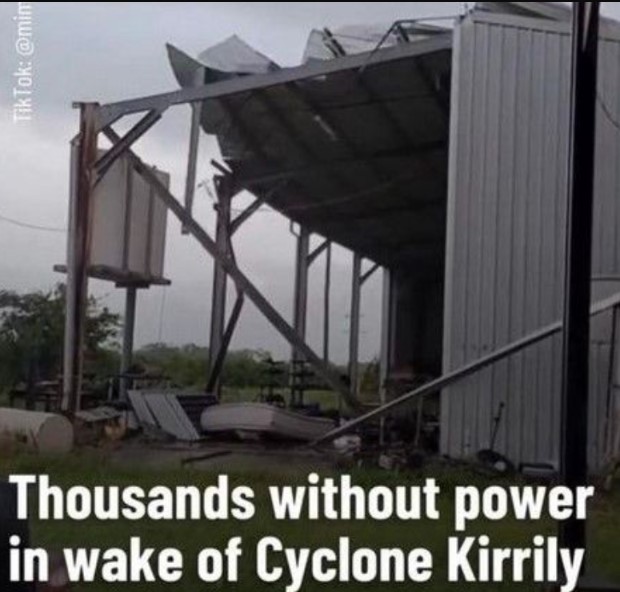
(218, 304)
(576, 347)
(386, 334)
(129, 327)
(385, 359)
(354, 326)
(612, 386)
(194, 139)
(83, 156)
(327, 302)
(300, 301)
(300, 306)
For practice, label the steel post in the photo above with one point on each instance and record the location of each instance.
(386, 344)
(386, 334)
(300, 297)
(300, 311)
(194, 141)
(220, 283)
(576, 345)
(612, 385)
(129, 326)
(327, 302)
(354, 324)
(83, 158)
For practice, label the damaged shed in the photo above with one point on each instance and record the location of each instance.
(439, 154)
(443, 158)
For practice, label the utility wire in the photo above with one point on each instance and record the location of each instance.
(29, 226)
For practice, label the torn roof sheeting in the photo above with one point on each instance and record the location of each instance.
(358, 155)
(356, 150)
(326, 45)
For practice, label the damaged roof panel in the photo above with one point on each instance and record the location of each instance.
(364, 143)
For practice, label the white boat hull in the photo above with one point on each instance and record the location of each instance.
(261, 419)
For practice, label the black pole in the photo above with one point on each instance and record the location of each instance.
(574, 425)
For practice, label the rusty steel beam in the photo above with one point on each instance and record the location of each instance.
(83, 175)
(130, 138)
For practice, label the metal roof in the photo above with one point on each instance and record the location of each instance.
(558, 11)
(357, 153)
(354, 147)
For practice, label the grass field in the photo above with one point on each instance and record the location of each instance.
(94, 469)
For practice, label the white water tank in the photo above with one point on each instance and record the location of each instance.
(42, 432)
(128, 226)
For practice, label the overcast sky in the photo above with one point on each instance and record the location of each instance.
(102, 51)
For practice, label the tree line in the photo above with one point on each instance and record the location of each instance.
(31, 349)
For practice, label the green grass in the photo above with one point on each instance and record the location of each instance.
(93, 468)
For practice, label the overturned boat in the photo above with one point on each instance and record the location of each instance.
(259, 419)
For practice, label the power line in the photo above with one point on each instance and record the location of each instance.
(29, 226)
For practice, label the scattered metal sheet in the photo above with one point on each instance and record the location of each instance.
(99, 415)
(182, 417)
(175, 414)
(165, 409)
(141, 409)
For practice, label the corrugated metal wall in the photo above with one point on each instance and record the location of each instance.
(506, 213)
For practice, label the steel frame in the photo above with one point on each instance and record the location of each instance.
(129, 325)
(327, 286)
(86, 172)
(225, 192)
(114, 111)
(354, 323)
(83, 163)
(305, 258)
(359, 278)
(194, 140)
(300, 297)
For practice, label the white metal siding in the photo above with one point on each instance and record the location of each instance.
(506, 213)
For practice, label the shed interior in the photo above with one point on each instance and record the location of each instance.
(355, 149)
(354, 145)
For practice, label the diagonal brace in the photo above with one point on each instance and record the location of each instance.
(466, 371)
(366, 276)
(318, 251)
(241, 280)
(124, 143)
(244, 216)
(218, 365)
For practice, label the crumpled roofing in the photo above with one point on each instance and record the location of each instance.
(356, 151)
